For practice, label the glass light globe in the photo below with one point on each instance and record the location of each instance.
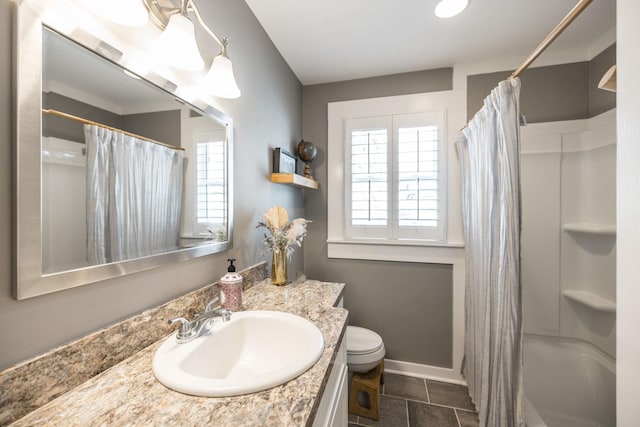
(220, 80)
(177, 46)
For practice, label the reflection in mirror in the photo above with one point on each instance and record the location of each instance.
(131, 177)
(113, 165)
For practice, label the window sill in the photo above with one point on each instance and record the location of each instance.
(399, 251)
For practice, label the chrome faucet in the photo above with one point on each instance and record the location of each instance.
(191, 330)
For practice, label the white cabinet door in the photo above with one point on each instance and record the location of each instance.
(333, 408)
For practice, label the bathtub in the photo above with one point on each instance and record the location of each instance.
(568, 383)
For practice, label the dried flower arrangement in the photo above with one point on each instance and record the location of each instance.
(284, 235)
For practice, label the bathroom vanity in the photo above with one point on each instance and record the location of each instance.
(129, 394)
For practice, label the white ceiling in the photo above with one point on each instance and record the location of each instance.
(335, 40)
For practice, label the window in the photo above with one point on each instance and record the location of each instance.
(395, 177)
(211, 202)
(417, 184)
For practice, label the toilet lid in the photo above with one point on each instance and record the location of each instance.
(361, 340)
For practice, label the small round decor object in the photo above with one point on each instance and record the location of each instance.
(307, 151)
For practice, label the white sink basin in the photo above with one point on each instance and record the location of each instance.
(253, 351)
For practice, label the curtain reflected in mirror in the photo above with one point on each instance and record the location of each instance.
(131, 202)
(134, 196)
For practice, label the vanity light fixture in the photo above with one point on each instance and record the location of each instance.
(178, 46)
(450, 8)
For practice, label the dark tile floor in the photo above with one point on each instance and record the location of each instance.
(415, 402)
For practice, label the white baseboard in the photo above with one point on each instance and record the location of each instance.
(423, 371)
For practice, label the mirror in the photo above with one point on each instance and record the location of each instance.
(120, 175)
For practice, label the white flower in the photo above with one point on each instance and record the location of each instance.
(297, 230)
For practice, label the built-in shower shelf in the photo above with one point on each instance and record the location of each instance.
(591, 228)
(593, 301)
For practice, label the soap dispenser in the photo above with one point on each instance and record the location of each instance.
(231, 288)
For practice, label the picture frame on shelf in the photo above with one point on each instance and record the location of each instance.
(284, 162)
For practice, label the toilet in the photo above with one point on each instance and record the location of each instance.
(365, 349)
(365, 352)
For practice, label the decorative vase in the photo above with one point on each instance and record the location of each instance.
(279, 268)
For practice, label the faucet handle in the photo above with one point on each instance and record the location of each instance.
(185, 330)
(224, 313)
(211, 304)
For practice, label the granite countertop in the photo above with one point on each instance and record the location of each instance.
(129, 394)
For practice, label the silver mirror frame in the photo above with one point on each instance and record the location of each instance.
(28, 278)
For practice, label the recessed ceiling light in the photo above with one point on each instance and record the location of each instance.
(449, 8)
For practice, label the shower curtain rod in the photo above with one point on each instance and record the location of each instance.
(550, 38)
(91, 122)
(562, 25)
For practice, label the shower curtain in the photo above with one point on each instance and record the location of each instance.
(134, 196)
(489, 155)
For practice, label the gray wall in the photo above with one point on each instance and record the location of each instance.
(552, 93)
(409, 305)
(163, 126)
(601, 100)
(268, 114)
(557, 92)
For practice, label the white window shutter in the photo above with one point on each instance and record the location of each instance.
(368, 158)
(419, 176)
(211, 172)
(395, 177)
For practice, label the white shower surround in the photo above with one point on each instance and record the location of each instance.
(568, 176)
(63, 205)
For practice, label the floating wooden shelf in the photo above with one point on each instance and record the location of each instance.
(590, 228)
(592, 301)
(294, 179)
